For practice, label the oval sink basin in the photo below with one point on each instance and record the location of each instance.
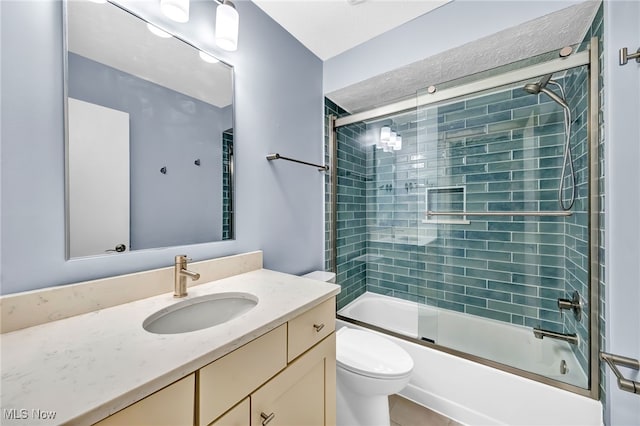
(200, 312)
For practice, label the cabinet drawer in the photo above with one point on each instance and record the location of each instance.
(311, 327)
(228, 380)
(171, 406)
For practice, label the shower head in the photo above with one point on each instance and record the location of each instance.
(535, 88)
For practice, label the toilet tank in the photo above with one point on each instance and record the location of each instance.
(328, 277)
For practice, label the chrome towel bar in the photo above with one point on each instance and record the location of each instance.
(613, 361)
(516, 213)
(276, 156)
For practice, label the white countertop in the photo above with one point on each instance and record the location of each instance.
(87, 367)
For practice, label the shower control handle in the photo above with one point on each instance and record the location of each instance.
(572, 304)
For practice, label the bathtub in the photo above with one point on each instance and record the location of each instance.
(473, 393)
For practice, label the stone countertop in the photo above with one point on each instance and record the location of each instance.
(87, 367)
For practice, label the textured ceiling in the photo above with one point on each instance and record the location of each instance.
(330, 27)
(547, 33)
(109, 35)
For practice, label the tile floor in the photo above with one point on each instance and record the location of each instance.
(406, 413)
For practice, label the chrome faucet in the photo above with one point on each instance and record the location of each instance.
(180, 276)
(540, 334)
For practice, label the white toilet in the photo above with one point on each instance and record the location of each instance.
(369, 369)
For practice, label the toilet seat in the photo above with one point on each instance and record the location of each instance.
(370, 355)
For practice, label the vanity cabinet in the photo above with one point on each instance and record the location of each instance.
(302, 394)
(300, 370)
(171, 406)
(228, 380)
(284, 377)
(237, 416)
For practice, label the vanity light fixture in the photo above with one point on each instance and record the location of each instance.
(157, 31)
(398, 145)
(208, 58)
(389, 140)
(227, 22)
(176, 10)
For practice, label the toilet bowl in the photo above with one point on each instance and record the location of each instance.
(369, 369)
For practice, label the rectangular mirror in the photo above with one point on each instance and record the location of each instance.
(149, 136)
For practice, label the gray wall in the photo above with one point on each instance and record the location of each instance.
(174, 133)
(449, 26)
(622, 203)
(278, 98)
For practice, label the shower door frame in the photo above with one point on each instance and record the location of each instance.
(589, 58)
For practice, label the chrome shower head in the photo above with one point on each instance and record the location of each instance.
(533, 88)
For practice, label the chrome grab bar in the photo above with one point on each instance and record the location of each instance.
(614, 360)
(515, 213)
(276, 156)
(540, 334)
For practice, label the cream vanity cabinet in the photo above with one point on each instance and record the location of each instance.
(171, 406)
(284, 377)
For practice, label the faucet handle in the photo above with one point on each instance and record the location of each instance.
(180, 258)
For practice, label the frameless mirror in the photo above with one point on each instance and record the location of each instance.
(149, 134)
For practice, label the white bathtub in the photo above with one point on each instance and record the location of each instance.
(472, 393)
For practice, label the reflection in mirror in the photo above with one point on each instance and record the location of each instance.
(149, 136)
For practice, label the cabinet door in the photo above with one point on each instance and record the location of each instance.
(171, 406)
(237, 416)
(228, 380)
(303, 394)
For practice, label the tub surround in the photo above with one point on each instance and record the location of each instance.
(22, 310)
(467, 391)
(92, 365)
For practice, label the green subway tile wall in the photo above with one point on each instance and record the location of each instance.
(227, 211)
(498, 151)
(597, 30)
(351, 214)
(506, 149)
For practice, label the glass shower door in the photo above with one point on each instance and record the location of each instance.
(502, 251)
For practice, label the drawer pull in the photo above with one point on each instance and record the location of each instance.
(318, 327)
(266, 418)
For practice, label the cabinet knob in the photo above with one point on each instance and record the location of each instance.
(318, 327)
(266, 418)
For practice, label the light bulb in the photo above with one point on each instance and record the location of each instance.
(385, 133)
(176, 10)
(398, 145)
(157, 31)
(208, 58)
(392, 140)
(227, 21)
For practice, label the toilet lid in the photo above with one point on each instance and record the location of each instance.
(368, 354)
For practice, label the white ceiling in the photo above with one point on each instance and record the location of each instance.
(330, 27)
